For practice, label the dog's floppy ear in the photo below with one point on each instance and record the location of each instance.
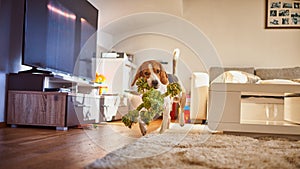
(163, 76)
(137, 75)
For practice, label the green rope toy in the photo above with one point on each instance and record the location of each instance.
(153, 102)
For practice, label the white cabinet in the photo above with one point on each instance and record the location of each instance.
(118, 72)
(86, 108)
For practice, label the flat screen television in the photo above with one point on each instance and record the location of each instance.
(60, 36)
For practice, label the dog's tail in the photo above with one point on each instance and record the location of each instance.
(176, 54)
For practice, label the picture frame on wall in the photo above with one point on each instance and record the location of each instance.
(283, 14)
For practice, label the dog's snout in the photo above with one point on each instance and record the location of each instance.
(154, 83)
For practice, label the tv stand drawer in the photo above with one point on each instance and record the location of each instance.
(36, 108)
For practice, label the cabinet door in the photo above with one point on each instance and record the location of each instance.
(109, 107)
(83, 110)
(36, 108)
(25, 108)
(55, 110)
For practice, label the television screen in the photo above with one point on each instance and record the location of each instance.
(60, 35)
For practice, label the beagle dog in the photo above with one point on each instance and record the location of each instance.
(157, 78)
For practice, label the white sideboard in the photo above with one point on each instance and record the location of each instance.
(227, 111)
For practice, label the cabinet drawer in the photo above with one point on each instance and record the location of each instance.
(36, 108)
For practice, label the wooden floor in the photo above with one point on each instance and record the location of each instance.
(36, 147)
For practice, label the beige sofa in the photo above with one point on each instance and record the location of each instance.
(262, 107)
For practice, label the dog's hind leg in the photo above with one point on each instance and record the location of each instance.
(181, 109)
(181, 117)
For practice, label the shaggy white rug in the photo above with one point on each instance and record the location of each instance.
(194, 147)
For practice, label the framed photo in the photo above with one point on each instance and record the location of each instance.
(283, 14)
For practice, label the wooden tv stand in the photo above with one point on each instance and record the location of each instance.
(37, 108)
(29, 103)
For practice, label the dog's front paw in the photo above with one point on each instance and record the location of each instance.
(143, 127)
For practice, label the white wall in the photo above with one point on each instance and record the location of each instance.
(2, 96)
(235, 28)
(234, 31)
(11, 21)
(148, 48)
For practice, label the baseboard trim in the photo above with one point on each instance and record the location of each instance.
(2, 124)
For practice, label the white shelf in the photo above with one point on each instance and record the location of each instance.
(60, 78)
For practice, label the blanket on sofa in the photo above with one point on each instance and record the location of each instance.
(194, 147)
(220, 74)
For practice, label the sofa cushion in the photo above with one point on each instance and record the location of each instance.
(234, 76)
(214, 72)
(278, 73)
(296, 80)
(278, 81)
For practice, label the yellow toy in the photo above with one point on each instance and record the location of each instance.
(99, 78)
